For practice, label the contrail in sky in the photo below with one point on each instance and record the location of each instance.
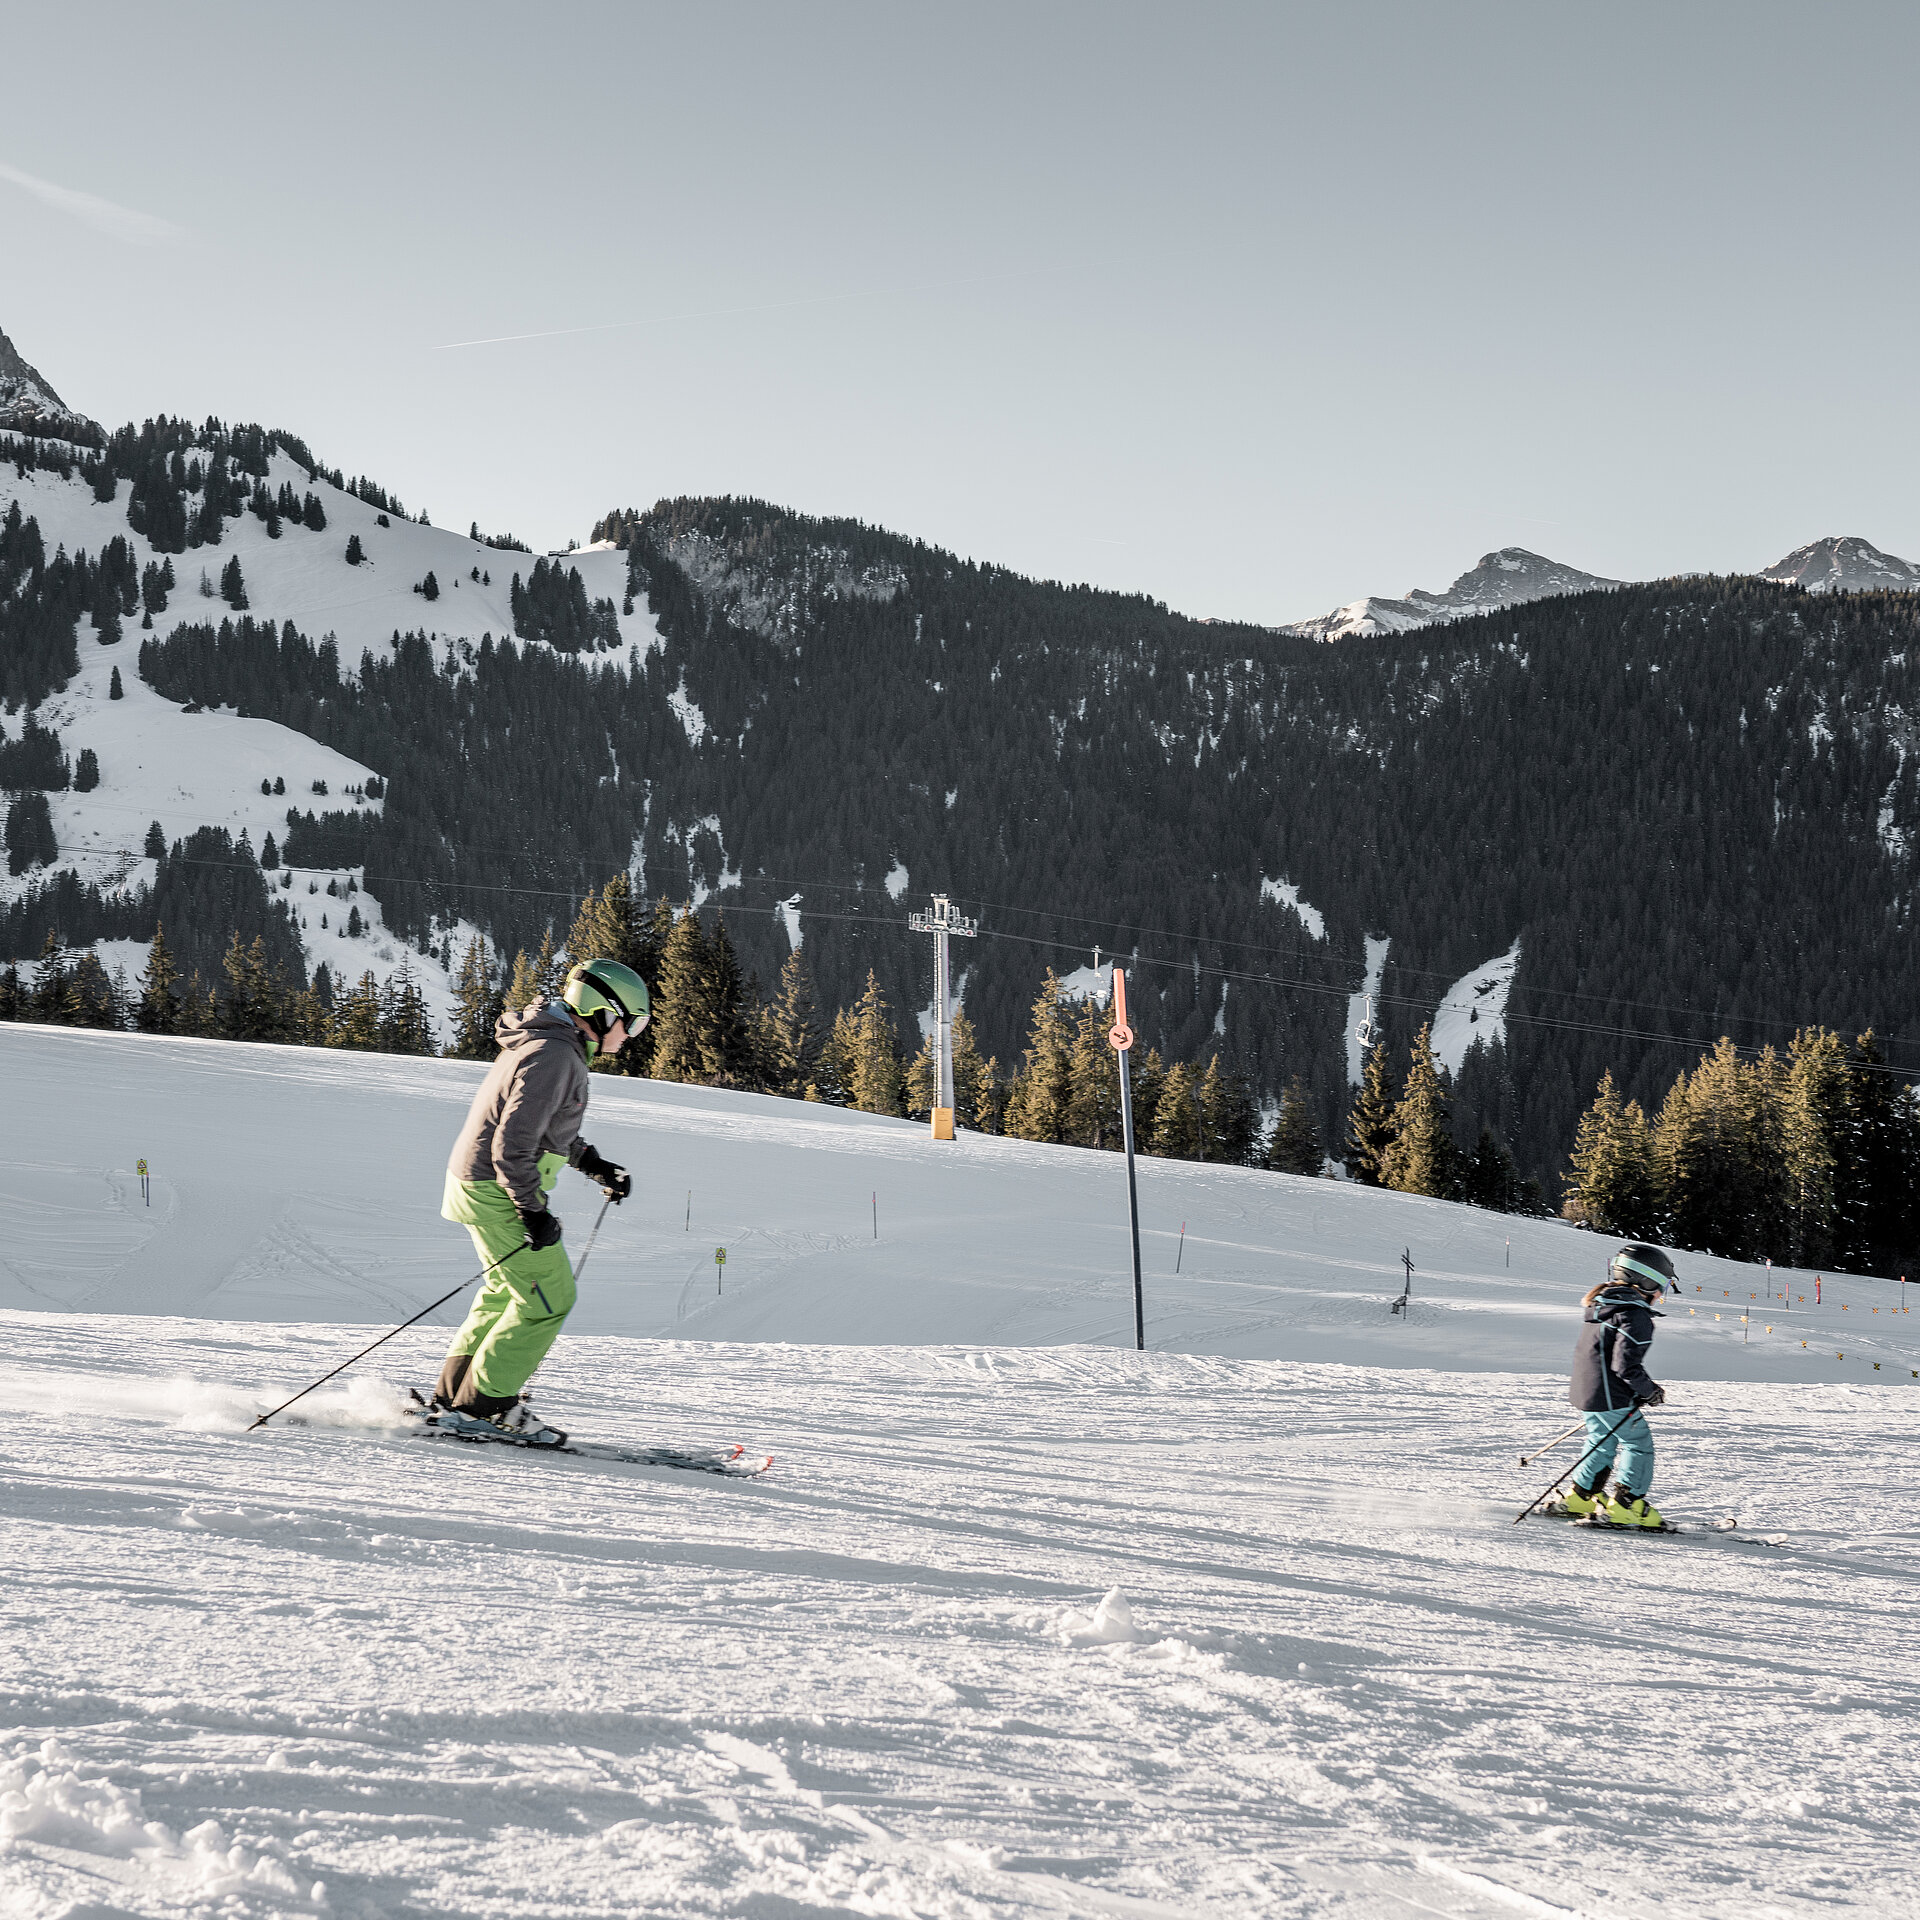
(123, 223)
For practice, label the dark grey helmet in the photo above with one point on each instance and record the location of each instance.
(1646, 1268)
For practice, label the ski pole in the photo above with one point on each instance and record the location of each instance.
(580, 1266)
(1527, 1459)
(1578, 1464)
(401, 1328)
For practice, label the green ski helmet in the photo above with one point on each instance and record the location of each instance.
(1646, 1268)
(602, 992)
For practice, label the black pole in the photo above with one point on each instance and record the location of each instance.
(1581, 1462)
(401, 1328)
(1133, 1205)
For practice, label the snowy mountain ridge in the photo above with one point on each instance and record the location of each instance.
(1840, 563)
(1844, 563)
(28, 403)
(1504, 578)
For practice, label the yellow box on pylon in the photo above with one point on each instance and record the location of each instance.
(943, 1123)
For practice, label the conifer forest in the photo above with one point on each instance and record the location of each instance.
(1690, 802)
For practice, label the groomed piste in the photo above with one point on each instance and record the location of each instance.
(1022, 1622)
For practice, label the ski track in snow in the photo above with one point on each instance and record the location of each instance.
(1052, 1629)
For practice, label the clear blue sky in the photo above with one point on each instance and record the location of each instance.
(1256, 309)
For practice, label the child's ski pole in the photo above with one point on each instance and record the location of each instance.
(1578, 1464)
(1527, 1459)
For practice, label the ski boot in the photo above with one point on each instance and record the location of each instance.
(521, 1423)
(1579, 1501)
(1624, 1510)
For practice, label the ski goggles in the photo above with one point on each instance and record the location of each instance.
(1652, 1276)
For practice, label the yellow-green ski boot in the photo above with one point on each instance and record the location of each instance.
(1631, 1513)
(1578, 1502)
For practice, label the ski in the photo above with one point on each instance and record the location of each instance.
(733, 1463)
(1727, 1529)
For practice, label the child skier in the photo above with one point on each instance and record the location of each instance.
(1610, 1380)
(523, 1127)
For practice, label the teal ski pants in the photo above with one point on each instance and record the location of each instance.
(525, 1301)
(1629, 1452)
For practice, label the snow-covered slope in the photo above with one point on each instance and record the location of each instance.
(304, 576)
(295, 1184)
(189, 770)
(1844, 563)
(28, 403)
(1473, 1011)
(1006, 1631)
(1502, 579)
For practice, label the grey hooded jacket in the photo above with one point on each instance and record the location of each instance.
(531, 1102)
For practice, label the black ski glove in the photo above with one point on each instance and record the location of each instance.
(615, 1182)
(543, 1229)
(1657, 1398)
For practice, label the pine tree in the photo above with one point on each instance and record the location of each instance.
(159, 1010)
(477, 1006)
(839, 1055)
(355, 552)
(725, 1043)
(875, 1083)
(1093, 1080)
(1423, 1158)
(356, 1017)
(1816, 1120)
(269, 852)
(1037, 1107)
(1149, 1083)
(1488, 1177)
(1177, 1130)
(549, 967)
(156, 847)
(86, 769)
(790, 1030)
(1370, 1126)
(1613, 1184)
(681, 1015)
(12, 994)
(973, 1079)
(404, 1023)
(1712, 1155)
(921, 1088)
(50, 983)
(233, 588)
(1229, 1116)
(115, 691)
(1295, 1146)
(89, 1000)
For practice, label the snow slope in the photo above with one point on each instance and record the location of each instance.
(189, 770)
(1474, 1009)
(1008, 1630)
(304, 576)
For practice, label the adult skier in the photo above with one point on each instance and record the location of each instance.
(1610, 1380)
(523, 1127)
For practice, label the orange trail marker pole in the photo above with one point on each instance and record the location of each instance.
(1120, 1039)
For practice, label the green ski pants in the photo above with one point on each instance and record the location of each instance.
(520, 1310)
